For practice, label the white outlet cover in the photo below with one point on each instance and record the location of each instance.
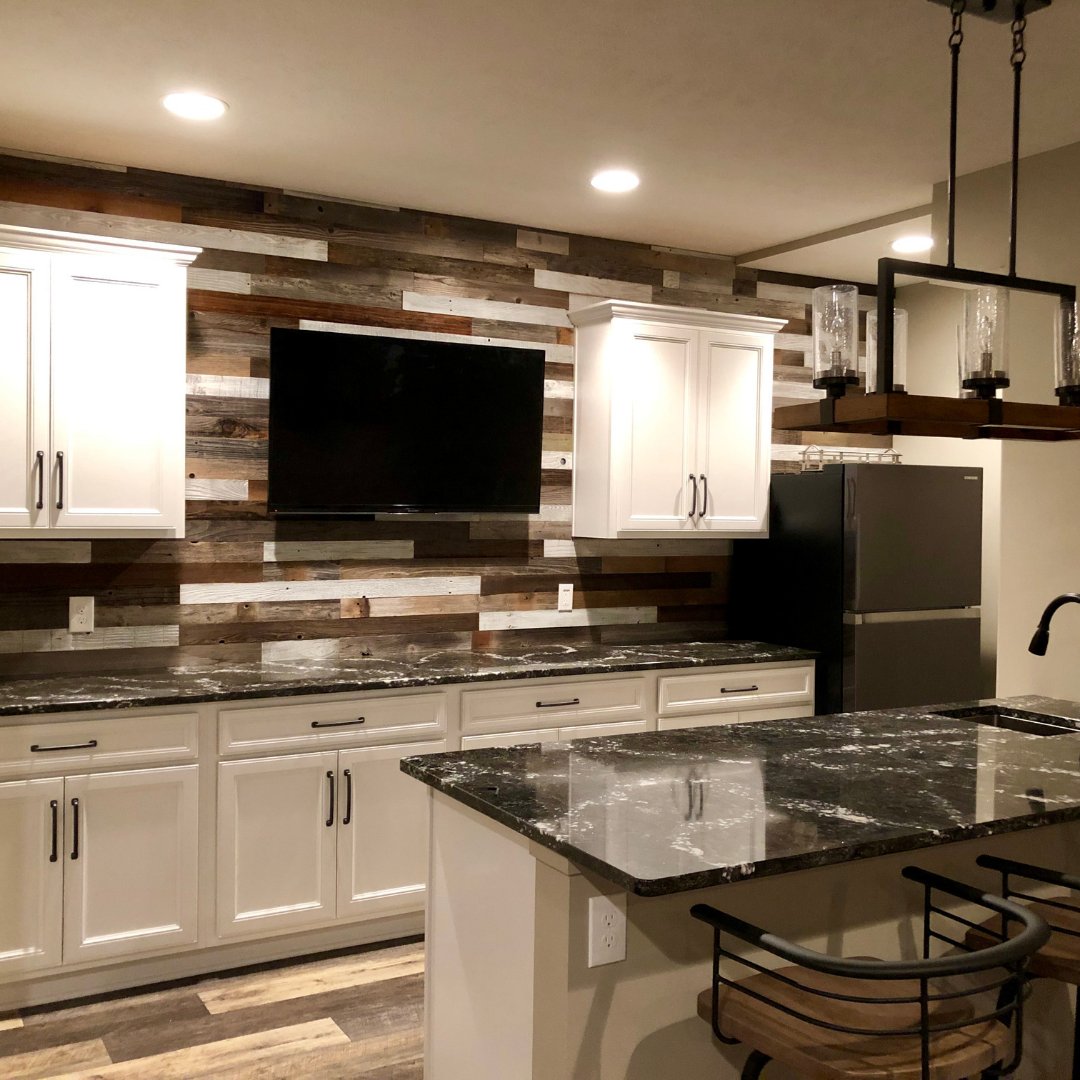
(607, 929)
(566, 597)
(80, 614)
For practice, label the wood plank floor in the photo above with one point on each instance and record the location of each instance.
(358, 1014)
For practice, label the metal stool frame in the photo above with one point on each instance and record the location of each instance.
(1010, 956)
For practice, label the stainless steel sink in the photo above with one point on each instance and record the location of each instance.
(1031, 723)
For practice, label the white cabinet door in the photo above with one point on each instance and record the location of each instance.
(31, 875)
(131, 862)
(117, 393)
(24, 389)
(382, 832)
(592, 731)
(735, 400)
(277, 833)
(654, 420)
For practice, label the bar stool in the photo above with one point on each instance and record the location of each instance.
(832, 1018)
(1059, 958)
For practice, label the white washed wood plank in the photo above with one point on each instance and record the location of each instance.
(498, 310)
(45, 551)
(558, 388)
(556, 354)
(555, 459)
(528, 620)
(531, 240)
(323, 550)
(248, 592)
(694, 254)
(109, 637)
(591, 286)
(798, 294)
(30, 155)
(161, 232)
(555, 512)
(319, 649)
(803, 343)
(570, 549)
(227, 490)
(11, 1023)
(671, 279)
(228, 281)
(227, 386)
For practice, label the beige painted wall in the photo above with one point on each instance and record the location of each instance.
(1032, 527)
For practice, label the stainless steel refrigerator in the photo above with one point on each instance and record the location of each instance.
(878, 567)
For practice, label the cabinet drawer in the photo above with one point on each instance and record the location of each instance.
(511, 738)
(326, 724)
(553, 705)
(730, 689)
(98, 741)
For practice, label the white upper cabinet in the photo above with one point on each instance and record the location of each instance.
(92, 381)
(671, 421)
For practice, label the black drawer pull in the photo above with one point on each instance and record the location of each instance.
(737, 689)
(59, 479)
(332, 813)
(40, 479)
(54, 807)
(558, 704)
(338, 723)
(37, 748)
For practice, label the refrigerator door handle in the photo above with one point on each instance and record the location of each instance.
(869, 618)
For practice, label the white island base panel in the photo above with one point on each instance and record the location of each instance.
(510, 997)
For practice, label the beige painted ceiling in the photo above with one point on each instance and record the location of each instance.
(752, 122)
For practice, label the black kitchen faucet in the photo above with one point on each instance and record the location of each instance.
(1041, 638)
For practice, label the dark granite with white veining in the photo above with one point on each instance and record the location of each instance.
(225, 682)
(667, 812)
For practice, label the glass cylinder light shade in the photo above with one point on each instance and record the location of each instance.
(899, 385)
(983, 363)
(836, 338)
(1067, 355)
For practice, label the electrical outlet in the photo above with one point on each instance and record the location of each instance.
(607, 929)
(80, 614)
(566, 597)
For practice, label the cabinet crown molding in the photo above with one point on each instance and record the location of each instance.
(607, 310)
(21, 236)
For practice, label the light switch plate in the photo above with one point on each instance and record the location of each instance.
(566, 597)
(80, 614)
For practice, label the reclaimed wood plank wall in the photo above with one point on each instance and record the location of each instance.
(244, 587)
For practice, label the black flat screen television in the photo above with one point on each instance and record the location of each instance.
(361, 424)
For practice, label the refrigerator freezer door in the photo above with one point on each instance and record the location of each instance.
(911, 661)
(912, 537)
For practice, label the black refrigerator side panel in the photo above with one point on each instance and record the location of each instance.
(788, 589)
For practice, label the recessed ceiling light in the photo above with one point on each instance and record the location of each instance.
(912, 245)
(615, 180)
(192, 105)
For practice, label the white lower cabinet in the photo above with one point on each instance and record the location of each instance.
(97, 866)
(550, 735)
(304, 839)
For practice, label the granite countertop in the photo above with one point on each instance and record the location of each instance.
(225, 682)
(665, 812)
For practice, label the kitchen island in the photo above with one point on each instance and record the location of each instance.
(800, 826)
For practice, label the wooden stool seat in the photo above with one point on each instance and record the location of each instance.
(821, 1054)
(1059, 958)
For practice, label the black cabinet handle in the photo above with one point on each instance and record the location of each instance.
(693, 504)
(338, 723)
(737, 689)
(333, 802)
(54, 807)
(75, 829)
(704, 495)
(558, 704)
(37, 748)
(59, 479)
(41, 479)
(347, 819)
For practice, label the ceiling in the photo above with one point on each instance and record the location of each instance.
(752, 122)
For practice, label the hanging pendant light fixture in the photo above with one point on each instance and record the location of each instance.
(885, 409)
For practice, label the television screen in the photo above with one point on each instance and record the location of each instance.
(362, 424)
